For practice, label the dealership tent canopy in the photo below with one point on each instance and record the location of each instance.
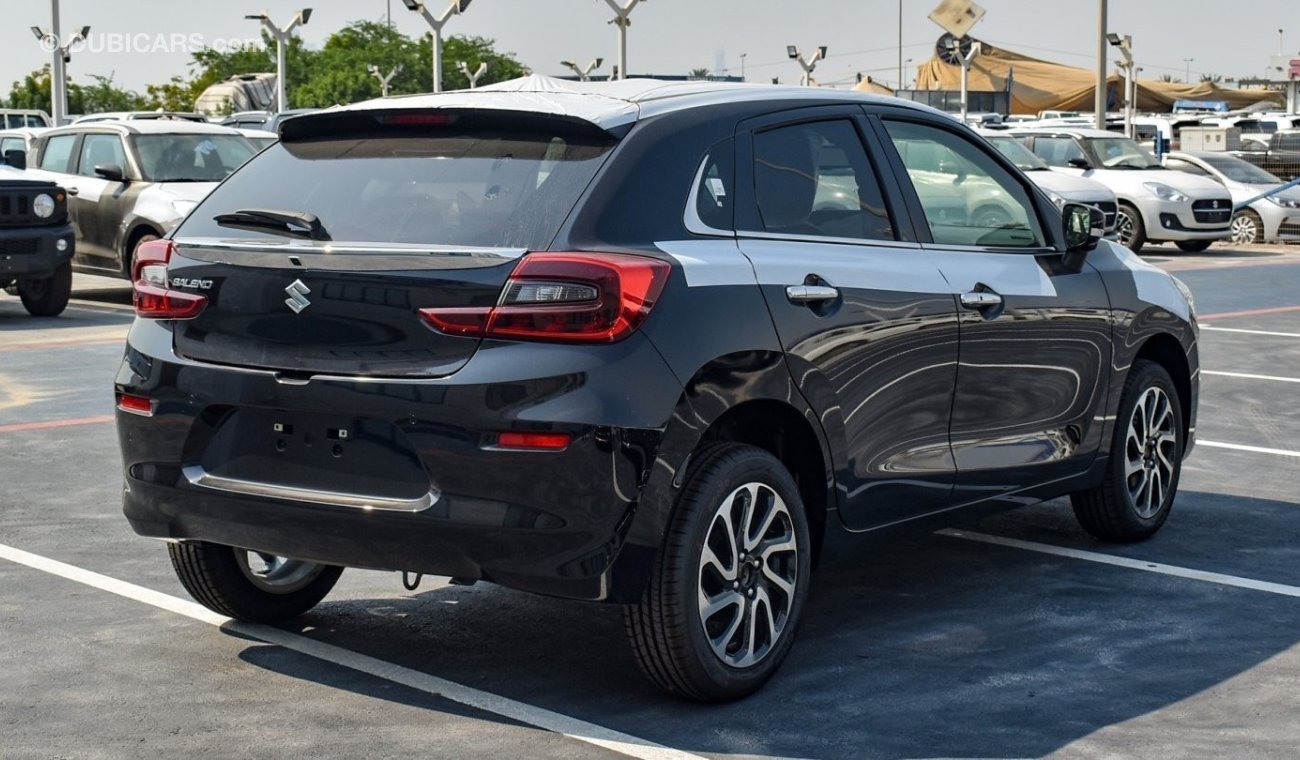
(1038, 85)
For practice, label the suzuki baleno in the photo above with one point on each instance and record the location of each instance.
(659, 345)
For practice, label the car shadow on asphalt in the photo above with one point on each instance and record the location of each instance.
(929, 646)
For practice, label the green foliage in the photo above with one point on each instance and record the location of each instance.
(335, 74)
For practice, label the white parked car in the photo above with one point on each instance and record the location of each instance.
(1156, 205)
(1060, 187)
(1266, 220)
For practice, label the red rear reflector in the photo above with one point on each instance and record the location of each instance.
(534, 441)
(152, 297)
(417, 119)
(135, 404)
(564, 297)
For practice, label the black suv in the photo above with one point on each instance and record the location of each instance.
(36, 239)
(660, 345)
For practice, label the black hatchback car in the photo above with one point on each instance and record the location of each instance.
(660, 345)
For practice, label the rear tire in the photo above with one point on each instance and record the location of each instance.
(1247, 228)
(1129, 228)
(723, 603)
(1193, 246)
(1146, 455)
(225, 580)
(47, 297)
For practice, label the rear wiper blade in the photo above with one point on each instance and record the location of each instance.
(295, 223)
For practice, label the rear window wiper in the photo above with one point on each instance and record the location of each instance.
(295, 223)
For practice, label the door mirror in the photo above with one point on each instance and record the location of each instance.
(16, 158)
(1084, 226)
(110, 172)
(1079, 163)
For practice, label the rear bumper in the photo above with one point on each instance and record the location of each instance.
(548, 522)
(33, 251)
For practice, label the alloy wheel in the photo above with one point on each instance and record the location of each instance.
(1244, 229)
(275, 574)
(1150, 451)
(748, 574)
(1124, 228)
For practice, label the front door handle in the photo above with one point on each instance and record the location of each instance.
(73, 191)
(804, 294)
(980, 299)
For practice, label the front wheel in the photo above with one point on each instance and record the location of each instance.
(1146, 456)
(248, 585)
(729, 585)
(48, 296)
(1192, 246)
(1247, 228)
(1129, 228)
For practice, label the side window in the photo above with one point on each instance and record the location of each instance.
(968, 198)
(1289, 142)
(1057, 151)
(57, 153)
(98, 150)
(816, 179)
(714, 194)
(11, 143)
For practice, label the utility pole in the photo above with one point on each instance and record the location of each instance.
(384, 80)
(472, 77)
(622, 20)
(436, 23)
(281, 45)
(1099, 103)
(808, 65)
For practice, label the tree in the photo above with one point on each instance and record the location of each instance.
(102, 95)
(699, 74)
(1212, 78)
(1169, 78)
(471, 50)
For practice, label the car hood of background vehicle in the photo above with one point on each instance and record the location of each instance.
(1070, 187)
(1130, 181)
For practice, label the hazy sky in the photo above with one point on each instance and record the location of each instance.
(143, 41)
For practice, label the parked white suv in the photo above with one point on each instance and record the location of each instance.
(1156, 205)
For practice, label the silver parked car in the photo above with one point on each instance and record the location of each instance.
(1267, 220)
(130, 182)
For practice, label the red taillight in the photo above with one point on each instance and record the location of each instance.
(534, 441)
(152, 297)
(565, 297)
(141, 405)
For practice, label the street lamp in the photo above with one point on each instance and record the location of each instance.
(62, 56)
(472, 77)
(583, 72)
(622, 20)
(384, 80)
(436, 23)
(1125, 45)
(1187, 76)
(281, 44)
(808, 65)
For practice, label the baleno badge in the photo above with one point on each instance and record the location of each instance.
(297, 299)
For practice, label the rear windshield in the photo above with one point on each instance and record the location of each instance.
(502, 189)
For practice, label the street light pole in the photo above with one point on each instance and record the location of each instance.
(966, 61)
(1187, 76)
(472, 77)
(384, 80)
(1099, 103)
(281, 45)
(1125, 45)
(583, 72)
(62, 52)
(742, 66)
(808, 65)
(622, 20)
(900, 45)
(436, 23)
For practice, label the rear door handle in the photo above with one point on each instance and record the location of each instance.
(811, 293)
(980, 299)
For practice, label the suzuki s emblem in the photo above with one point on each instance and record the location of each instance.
(297, 299)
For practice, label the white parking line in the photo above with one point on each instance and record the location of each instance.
(1248, 376)
(572, 728)
(1250, 332)
(1127, 562)
(1242, 447)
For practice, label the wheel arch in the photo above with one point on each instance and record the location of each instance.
(138, 230)
(1165, 350)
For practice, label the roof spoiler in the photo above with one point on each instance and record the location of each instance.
(435, 122)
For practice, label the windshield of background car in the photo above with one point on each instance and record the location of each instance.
(491, 189)
(1240, 171)
(191, 158)
(1017, 153)
(1121, 153)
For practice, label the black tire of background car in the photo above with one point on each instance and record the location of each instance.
(147, 237)
(664, 629)
(47, 297)
(1108, 512)
(1139, 238)
(1255, 218)
(1193, 246)
(211, 574)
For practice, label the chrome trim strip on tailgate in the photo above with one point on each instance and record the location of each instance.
(200, 477)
